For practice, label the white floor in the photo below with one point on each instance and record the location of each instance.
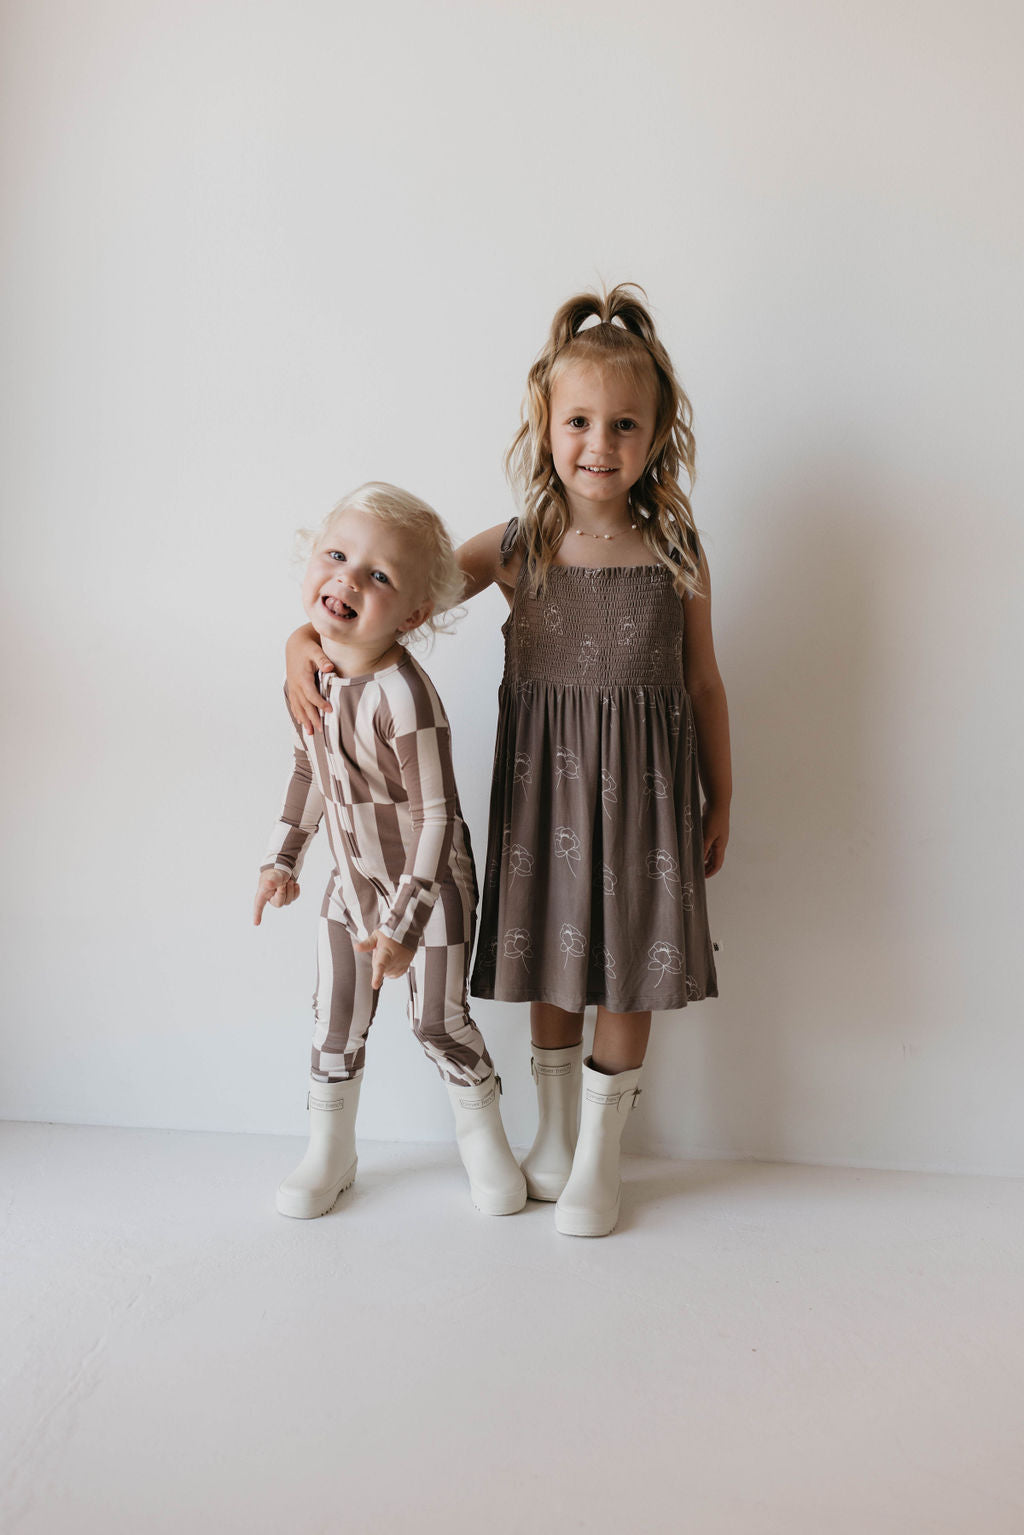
(758, 1348)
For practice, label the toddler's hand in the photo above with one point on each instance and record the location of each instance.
(716, 835)
(390, 959)
(275, 888)
(304, 659)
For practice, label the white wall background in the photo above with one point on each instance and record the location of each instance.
(257, 253)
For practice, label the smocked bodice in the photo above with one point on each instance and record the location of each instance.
(621, 626)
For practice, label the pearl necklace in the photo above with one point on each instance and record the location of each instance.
(582, 532)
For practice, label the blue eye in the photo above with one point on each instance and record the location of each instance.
(334, 554)
(379, 575)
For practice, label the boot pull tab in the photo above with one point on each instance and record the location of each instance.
(533, 1069)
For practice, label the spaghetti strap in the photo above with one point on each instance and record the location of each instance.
(675, 553)
(508, 542)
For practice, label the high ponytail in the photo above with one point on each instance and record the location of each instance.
(620, 305)
(572, 317)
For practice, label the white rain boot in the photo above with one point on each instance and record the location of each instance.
(589, 1206)
(329, 1166)
(548, 1162)
(495, 1182)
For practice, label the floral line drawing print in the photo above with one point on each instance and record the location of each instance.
(567, 845)
(666, 958)
(522, 772)
(687, 825)
(520, 861)
(688, 896)
(675, 719)
(655, 787)
(691, 736)
(608, 794)
(607, 879)
(571, 942)
(506, 841)
(604, 960)
(661, 865)
(588, 653)
(568, 765)
(553, 618)
(627, 631)
(693, 991)
(517, 945)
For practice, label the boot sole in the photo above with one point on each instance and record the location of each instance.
(580, 1225)
(510, 1204)
(308, 1207)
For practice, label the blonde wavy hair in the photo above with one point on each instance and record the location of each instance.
(397, 508)
(625, 340)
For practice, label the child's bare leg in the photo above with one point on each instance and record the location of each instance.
(552, 1028)
(620, 1041)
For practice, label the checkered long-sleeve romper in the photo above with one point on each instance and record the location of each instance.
(381, 777)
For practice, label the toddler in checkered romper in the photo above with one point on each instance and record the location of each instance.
(401, 896)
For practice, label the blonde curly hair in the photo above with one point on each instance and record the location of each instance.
(397, 508)
(623, 339)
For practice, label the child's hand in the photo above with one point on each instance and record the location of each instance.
(276, 888)
(304, 659)
(716, 835)
(390, 959)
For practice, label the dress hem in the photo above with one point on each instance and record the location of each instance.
(663, 1003)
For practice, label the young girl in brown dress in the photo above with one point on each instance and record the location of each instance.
(612, 720)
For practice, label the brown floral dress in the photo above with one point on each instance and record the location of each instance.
(593, 887)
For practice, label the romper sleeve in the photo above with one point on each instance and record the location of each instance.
(300, 814)
(421, 742)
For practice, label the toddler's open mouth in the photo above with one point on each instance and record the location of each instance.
(337, 608)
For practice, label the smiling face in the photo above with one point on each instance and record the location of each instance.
(364, 587)
(601, 429)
